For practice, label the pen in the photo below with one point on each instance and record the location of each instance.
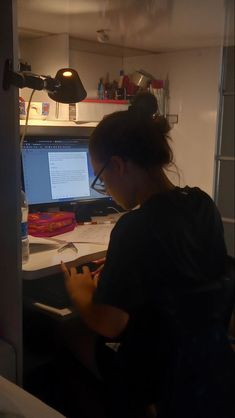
(96, 273)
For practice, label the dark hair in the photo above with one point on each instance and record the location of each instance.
(145, 102)
(133, 135)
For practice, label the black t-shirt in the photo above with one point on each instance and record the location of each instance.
(174, 242)
(163, 265)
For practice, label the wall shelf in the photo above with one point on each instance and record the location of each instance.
(106, 101)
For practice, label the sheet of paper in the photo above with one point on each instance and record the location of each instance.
(94, 234)
(99, 233)
(42, 241)
(38, 244)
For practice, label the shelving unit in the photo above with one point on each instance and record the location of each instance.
(106, 101)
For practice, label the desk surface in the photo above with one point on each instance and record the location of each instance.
(91, 242)
(19, 403)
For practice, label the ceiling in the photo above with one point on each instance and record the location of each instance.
(144, 25)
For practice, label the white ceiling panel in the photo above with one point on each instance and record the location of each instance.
(150, 25)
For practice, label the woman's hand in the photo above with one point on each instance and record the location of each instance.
(79, 285)
(106, 320)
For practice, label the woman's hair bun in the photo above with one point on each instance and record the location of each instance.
(163, 124)
(144, 104)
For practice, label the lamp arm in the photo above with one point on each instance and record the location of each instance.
(33, 81)
(28, 79)
(51, 84)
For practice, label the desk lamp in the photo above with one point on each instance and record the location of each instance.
(66, 87)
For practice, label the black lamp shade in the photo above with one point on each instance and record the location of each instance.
(70, 88)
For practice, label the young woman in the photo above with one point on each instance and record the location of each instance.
(159, 291)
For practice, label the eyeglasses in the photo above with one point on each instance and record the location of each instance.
(97, 184)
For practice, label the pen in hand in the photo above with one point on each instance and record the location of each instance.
(96, 274)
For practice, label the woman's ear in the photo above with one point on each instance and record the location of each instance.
(118, 164)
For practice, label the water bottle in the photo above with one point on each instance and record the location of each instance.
(24, 228)
(101, 89)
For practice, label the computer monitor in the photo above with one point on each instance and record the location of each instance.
(57, 172)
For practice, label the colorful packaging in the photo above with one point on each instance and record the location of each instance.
(49, 224)
(22, 109)
(38, 110)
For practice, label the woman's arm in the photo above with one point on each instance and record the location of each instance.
(106, 320)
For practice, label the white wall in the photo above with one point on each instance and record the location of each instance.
(46, 56)
(91, 67)
(194, 86)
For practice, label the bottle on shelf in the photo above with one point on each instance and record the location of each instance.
(101, 89)
(123, 82)
(24, 228)
(107, 87)
(120, 80)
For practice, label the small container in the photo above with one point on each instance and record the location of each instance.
(141, 78)
(22, 108)
(38, 110)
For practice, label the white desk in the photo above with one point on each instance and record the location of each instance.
(46, 261)
(19, 403)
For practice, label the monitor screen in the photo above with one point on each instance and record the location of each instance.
(57, 171)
